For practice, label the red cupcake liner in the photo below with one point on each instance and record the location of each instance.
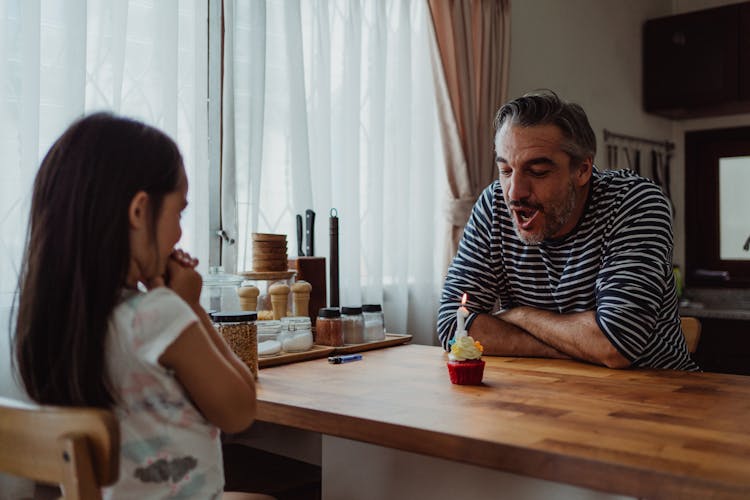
(468, 372)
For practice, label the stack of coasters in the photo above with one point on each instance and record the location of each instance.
(269, 252)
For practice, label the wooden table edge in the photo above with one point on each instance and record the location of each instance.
(549, 465)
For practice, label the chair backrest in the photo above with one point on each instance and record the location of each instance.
(76, 448)
(691, 328)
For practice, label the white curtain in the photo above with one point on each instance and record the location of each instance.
(331, 104)
(59, 60)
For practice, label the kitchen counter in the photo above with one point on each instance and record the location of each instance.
(717, 303)
(715, 312)
(569, 427)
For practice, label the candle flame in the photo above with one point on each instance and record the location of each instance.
(463, 299)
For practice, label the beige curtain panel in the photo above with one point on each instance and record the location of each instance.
(471, 61)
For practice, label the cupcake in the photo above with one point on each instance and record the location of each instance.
(465, 365)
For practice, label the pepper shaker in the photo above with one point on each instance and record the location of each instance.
(248, 297)
(301, 297)
(279, 299)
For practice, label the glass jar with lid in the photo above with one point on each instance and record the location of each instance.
(328, 327)
(219, 291)
(353, 325)
(296, 334)
(268, 329)
(240, 333)
(374, 322)
(269, 338)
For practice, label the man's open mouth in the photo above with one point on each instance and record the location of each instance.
(525, 216)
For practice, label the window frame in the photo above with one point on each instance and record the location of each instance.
(703, 149)
(214, 81)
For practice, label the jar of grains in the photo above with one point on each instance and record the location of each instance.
(374, 322)
(239, 332)
(328, 327)
(353, 325)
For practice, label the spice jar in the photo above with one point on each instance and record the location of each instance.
(374, 322)
(353, 325)
(240, 333)
(328, 327)
(297, 334)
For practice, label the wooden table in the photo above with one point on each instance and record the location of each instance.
(642, 433)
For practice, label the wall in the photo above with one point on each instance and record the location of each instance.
(589, 51)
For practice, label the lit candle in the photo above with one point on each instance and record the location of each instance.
(461, 316)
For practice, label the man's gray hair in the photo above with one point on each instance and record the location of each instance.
(544, 107)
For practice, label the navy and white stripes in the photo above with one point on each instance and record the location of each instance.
(617, 262)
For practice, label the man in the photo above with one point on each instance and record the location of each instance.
(579, 262)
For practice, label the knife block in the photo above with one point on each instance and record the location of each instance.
(312, 270)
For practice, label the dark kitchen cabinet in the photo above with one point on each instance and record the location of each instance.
(724, 346)
(698, 63)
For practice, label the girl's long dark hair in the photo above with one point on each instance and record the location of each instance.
(78, 252)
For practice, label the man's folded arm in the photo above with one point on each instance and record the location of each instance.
(527, 331)
(500, 338)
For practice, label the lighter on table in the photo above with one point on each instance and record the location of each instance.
(337, 360)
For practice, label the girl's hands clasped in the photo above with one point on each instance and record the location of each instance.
(182, 277)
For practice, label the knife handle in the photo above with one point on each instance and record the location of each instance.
(334, 257)
(300, 236)
(310, 232)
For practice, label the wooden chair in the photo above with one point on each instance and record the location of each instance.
(76, 448)
(691, 328)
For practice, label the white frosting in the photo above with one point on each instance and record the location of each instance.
(464, 349)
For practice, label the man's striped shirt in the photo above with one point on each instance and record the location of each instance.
(616, 262)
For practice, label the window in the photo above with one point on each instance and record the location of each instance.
(145, 59)
(717, 168)
(330, 104)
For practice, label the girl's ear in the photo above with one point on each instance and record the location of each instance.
(138, 210)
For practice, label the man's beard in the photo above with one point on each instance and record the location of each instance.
(556, 215)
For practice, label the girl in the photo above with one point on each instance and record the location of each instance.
(105, 217)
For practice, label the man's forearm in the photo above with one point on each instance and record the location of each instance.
(576, 334)
(500, 338)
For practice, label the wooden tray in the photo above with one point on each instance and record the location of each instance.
(391, 339)
(317, 351)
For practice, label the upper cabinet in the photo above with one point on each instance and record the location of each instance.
(698, 64)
